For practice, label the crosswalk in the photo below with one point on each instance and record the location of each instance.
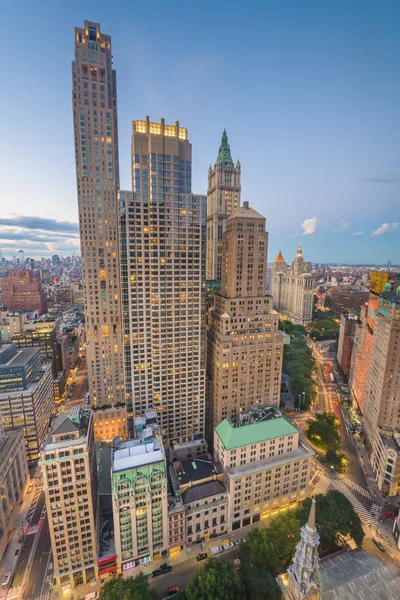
(43, 596)
(368, 518)
(358, 488)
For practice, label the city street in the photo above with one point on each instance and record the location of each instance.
(80, 387)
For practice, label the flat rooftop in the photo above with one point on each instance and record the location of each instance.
(303, 451)
(17, 359)
(242, 435)
(203, 490)
(196, 468)
(130, 454)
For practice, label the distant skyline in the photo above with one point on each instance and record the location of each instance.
(309, 94)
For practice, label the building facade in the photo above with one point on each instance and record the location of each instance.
(266, 466)
(293, 289)
(382, 394)
(27, 395)
(348, 323)
(139, 496)
(94, 99)
(22, 291)
(244, 345)
(13, 480)
(162, 264)
(223, 199)
(69, 470)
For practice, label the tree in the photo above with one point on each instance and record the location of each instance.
(336, 519)
(323, 431)
(133, 588)
(216, 579)
(259, 583)
(261, 550)
(285, 530)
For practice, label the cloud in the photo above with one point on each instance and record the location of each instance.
(309, 226)
(385, 228)
(343, 226)
(41, 223)
(358, 233)
(388, 179)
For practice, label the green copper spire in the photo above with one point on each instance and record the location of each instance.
(224, 152)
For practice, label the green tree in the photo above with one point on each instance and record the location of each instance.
(259, 584)
(323, 431)
(285, 530)
(261, 550)
(336, 519)
(133, 588)
(216, 579)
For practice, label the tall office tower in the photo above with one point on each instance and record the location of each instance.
(94, 100)
(69, 470)
(21, 258)
(382, 395)
(244, 345)
(293, 289)
(162, 261)
(223, 198)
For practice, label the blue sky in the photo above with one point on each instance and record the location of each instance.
(309, 93)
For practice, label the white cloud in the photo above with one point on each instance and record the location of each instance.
(309, 226)
(343, 226)
(385, 228)
(358, 233)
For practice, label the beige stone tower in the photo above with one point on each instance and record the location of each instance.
(94, 100)
(223, 198)
(162, 258)
(244, 346)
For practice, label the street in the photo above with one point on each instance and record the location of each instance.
(80, 387)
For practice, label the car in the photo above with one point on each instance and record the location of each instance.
(378, 544)
(201, 556)
(174, 589)
(228, 545)
(240, 541)
(390, 513)
(216, 550)
(156, 573)
(16, 552)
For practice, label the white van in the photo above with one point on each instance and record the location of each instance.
(216, 550)
(92, 596)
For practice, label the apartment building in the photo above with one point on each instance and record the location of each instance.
(266, 465)
(139, 496)
(162, 250)
(69, 470)
(94, 102)
(22, 291)
(244, 344)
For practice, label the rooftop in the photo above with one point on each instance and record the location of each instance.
(356, 575)
(131, 454)
(12, 356)
(196, 469)
(203, 490)
(302, 451)
(241, 435)
(69, 428)
(245, 212)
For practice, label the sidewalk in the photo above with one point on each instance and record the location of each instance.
(9, 559)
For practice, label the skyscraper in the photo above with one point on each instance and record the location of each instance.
(244, 345)
(223, 198)
(94, 99)
(162, 263)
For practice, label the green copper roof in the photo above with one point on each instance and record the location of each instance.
(224, 152)
(234, 437)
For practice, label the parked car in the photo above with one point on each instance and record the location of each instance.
(216, 550)
(378, 544)
(156, 573)
(164, 568)
(228, 545)
(390, 513)
(201, 556)
(174, 589)
(240, 540)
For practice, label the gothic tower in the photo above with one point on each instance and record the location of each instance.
(223, 199)
(302, 580)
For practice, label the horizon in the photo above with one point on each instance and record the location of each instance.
(321, 163)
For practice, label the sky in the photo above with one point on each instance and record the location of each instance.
(309, 93)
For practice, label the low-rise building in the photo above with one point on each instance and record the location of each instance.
(139, 496)
(69, 469)
(176, 525)
(110, 423)
(266, 466)
(13, 479)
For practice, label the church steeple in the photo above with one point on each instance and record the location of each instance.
(224, 152)
(303, 573)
